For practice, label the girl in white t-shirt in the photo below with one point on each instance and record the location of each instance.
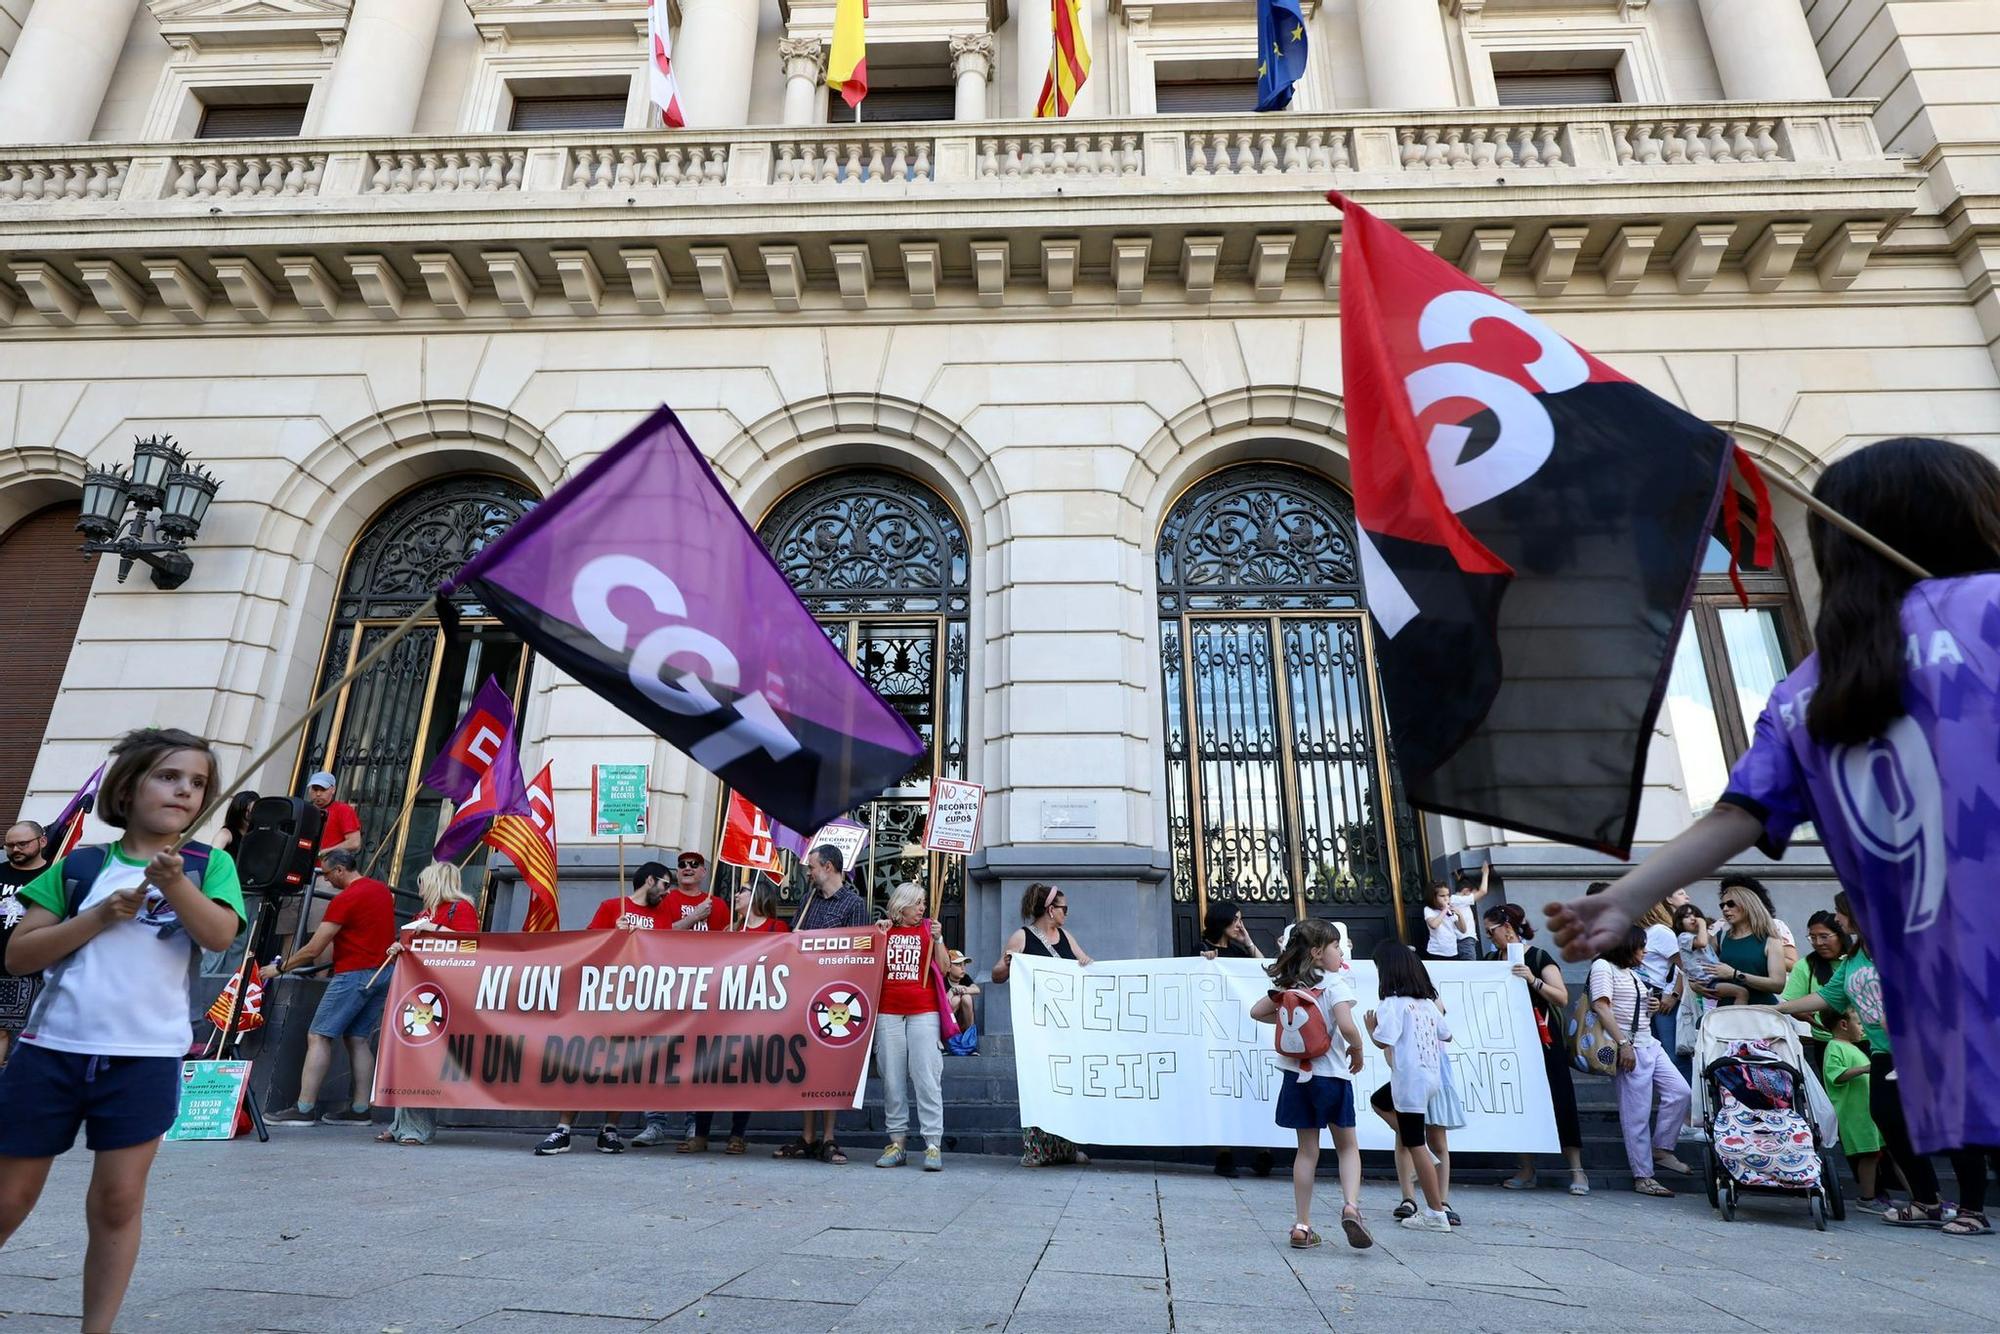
(1441, 923)
(1322, 1095)
(102, 1050)
(1409, 1026)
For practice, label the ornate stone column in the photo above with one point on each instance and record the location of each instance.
(717, 46)
(55, 81)
(1403, 49)
(1764, 51)
(1034, 39)
(378, 77)
(805, 66)
(971, 69)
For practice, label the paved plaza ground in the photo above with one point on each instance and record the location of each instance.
(323, 1229)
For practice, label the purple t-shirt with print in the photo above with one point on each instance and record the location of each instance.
(1911, 822)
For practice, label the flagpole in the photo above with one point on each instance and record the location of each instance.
(394, 829)
(1843, 523)
(222, 792)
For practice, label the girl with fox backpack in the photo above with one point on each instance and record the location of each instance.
(118, 928)
(1320, 1052)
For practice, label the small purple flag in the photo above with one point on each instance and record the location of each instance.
(498, 791)
(640, 578)
(482, 734)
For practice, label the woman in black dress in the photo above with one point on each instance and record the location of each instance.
(1045, 908)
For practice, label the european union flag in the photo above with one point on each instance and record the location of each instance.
(1281, 52)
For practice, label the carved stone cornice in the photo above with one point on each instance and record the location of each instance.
(196, 24)
(501, 22)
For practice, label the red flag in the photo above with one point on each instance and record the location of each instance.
(1532, 527)
(67, 831)
(529, 841)
(749, 837)
(252, 1017)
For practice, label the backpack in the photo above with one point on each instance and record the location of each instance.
(1302, 1034)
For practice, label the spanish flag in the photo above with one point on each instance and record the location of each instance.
(529, 841)
(847, 67)
(1069, 62)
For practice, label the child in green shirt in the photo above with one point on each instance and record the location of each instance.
(1846, 1072)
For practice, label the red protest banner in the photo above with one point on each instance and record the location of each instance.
(631, 1021)
(748, 838)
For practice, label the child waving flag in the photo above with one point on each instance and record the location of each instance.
(117, 928)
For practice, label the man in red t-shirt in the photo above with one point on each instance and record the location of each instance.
(691, 907)
(359, 927)
(639, 911)
(343, 826)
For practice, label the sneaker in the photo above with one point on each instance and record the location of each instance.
(1881, 1204)
(608, 1141)
(933, 1159)
(693, 1144)
(1423, 1220)
(348, 1116)
(652, 1137)
(293, 1116)
(893, 1156)
(557, 1141)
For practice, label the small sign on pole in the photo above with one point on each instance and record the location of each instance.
(618, 800)
(845, 835)
(211, 1098)
(953, 825)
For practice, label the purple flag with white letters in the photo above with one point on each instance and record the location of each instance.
(486, 729)
(640, 578)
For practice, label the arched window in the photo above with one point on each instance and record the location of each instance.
(377, 737)
(1726, 664)
(1280, 794)
(883, 563)
(51, 578)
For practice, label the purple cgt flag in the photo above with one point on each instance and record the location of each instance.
(499, 791)
(482, 734)
(640, 578)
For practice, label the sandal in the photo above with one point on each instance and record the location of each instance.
(1304, 1238)
(1404, 1210)
(737, 1145)
(386, 1137)
(1357, 1231)
(829, 1152)
(1518, 1183)
(1451, 1217)
(1914, 1215)
(1968, 1224)
(410, 1142)
(798, 1148)
(1648, 1186)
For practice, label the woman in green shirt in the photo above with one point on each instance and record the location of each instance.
(1752, 969)
(1827, 945)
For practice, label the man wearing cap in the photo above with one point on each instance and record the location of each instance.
(689, 906)
(343, 826)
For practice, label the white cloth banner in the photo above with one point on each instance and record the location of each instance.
(1164, 1052)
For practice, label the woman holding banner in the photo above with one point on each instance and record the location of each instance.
(447, 908)
(1046, 911)
(1507, 927)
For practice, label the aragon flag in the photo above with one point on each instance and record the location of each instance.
(529, 840)
(640, 579)
(1532, 526)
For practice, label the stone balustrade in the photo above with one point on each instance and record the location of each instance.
(1348, 149)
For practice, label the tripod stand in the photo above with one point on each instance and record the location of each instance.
(263, 928)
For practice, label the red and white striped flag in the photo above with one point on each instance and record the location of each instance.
(660, 45)
(530, 843)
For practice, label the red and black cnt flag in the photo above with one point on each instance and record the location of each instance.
(1532, 527)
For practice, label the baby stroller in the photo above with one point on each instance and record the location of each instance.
(1757, 1099)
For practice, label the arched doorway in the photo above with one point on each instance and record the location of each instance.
(390, 723)
(1280, 793)
(51, 582)
(882, 562)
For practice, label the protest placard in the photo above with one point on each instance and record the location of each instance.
(618, 800)
(1164, 1052)
(211, 1098)
(953, 825)
(631, 1020)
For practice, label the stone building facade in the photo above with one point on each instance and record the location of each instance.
(1044, 419)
